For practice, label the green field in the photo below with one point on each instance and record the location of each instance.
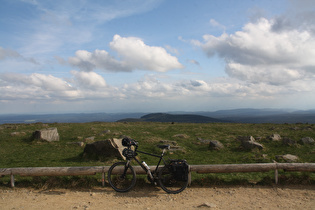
(19, 150)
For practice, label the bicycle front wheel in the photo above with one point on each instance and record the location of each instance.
(121, 177)
(169, 183)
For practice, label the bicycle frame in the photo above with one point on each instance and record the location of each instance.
(141, 164)
(122, 176)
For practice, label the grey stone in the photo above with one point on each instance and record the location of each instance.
(307, 140)
(80, 143)
(288, 158)
(248, 143)
(203, 141)
(215, 145)
(288, 141)
(103, 149)
(275, 137)
(89, 139)
(48, 134)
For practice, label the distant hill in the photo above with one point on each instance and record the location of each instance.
(66, 118)
(182, 118)
(234, 115)
(263, 115)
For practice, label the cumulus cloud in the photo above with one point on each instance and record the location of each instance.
(82, 86)
(133, 53)
(259, 54)
(34, 86)
(90, 80)
(99, 59)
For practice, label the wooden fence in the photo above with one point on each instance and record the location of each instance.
(220, 168)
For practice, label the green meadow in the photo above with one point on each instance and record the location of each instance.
(18, 149)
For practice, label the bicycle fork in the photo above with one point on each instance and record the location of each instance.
(125, 169)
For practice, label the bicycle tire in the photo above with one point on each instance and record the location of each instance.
(168, 182)
(121, 182)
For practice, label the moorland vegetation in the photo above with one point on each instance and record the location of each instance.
(19, 149)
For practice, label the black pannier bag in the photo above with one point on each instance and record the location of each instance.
(179, 168)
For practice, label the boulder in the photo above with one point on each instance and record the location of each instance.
(104, 149)
(18, 133)
(171, 143)
(288, 141)
(79, 143)
(215, 145)
(307, 140)
(275, 137)
(248, 143)
(47, 134)
(288, 158)
(89, 139)
(203, 141)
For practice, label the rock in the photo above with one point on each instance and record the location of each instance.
(275, 137)
(248, 143)
(288, 141)
(307, 140)
(215, 145)
(171, 143)
(204, 141)
(80, 143)
(48, 134)
(18, 133)
(245, 138)
(103, 149)
(89, 139)
(251, 145)
(288, 158)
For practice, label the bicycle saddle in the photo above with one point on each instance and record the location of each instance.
(166, 146)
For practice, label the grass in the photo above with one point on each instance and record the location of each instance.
(21, 151)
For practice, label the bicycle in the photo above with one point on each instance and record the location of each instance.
(172, 177)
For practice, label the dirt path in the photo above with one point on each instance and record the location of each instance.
(237, 197)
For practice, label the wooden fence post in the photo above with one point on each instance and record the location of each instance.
(12, 181)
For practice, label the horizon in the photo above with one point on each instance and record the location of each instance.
(156, 56)
(166, 112)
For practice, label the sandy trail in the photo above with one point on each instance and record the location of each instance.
(231, 197)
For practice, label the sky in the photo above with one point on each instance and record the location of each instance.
(83, 56)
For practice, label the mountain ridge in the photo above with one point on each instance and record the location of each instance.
(233, 115)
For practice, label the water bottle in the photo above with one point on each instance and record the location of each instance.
(146, 166)
(148, 170)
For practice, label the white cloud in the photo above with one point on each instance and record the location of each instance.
(34, 87)
(99, 59)
(141, 56)
(133, 53)
(259, 54)
(89, 80)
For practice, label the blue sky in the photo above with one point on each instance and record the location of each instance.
(154, 55)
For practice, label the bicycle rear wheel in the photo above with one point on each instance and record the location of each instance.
(169, 183)
(120, 178)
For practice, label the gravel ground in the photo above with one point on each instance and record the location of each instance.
(226, 197)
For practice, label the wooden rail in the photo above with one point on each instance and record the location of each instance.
(219, 168)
